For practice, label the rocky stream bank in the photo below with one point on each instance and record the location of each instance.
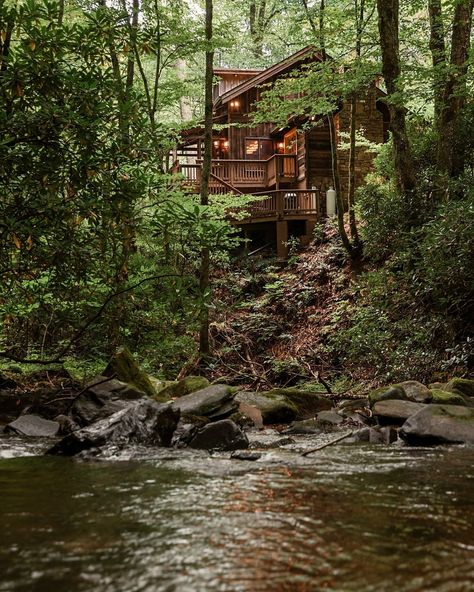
(127, 407)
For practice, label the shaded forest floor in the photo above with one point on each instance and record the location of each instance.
(276, 323)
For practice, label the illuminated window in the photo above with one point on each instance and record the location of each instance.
(258, 148)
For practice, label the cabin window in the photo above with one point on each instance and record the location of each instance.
(258, 148)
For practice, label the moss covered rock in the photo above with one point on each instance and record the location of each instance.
(283, 405)
(463, 386)
(274, 408)
(386, 393)
(180, 388)
(215, 402)
(125, 368)
(439, 423)
(306, 404)
(415, 391)
(446, 398)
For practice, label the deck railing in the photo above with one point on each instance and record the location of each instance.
(279, 204)
(247, 173)
(288, 204)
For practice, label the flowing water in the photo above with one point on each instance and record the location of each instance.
(352, 517)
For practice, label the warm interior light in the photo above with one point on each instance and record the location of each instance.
(226, 144)
(216, 143)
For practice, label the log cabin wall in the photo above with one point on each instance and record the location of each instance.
(239, 127)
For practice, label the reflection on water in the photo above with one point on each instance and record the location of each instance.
(353, 518)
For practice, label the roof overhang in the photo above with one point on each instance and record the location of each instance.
(307, 53)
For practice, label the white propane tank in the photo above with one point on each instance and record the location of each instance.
(330, 202)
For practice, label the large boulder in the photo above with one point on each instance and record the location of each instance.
(283, 405)
(440, 397)
(387, 393)
(273, 408)
(125, 368)
(415, 391)
(179, 388)
(215, 402)
(435, 424)
(220, 435)
(102, 398)
(33, 425)
(143, 422)
(394, 411)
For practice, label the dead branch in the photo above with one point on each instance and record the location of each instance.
(335, 441)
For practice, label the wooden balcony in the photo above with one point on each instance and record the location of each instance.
(246, 174)
(290, 204)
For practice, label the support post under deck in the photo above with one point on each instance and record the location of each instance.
(282, 239)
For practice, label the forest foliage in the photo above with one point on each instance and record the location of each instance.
(101, 246)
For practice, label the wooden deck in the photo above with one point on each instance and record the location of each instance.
(248, 176)
(290, 204)
(245, 174)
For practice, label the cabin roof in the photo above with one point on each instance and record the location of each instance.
(236, 71)
(265, 75)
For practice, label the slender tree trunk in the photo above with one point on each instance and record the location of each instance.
(257, 11)
(352, 172)
(318, 31)
(185, 110)
(438, 56)
(61, 12)
(337, 186)
(359, 23)
(133, 41)
(204, 282)
(322, 29)
(389, 43)
(450, 160)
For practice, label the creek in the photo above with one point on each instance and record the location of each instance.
(348, 518)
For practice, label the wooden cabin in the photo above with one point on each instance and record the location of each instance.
(290, 166)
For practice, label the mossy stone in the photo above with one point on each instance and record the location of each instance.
(463, 386)
(415, 391)
(386, 393)
(125, 368)
(306, 404)
(446, 398)
(180, 388)
(273, 407)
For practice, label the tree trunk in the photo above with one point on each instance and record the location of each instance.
(185, 109)
(450, 160)
(359, 23)
(352, 173)
(204, 283)
(438, 56)
(389, 44)
(257, 11)
(337, 186)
